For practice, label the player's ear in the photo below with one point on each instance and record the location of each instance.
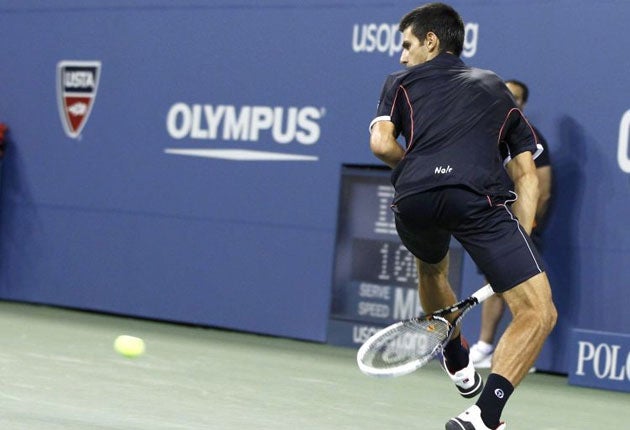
(432, 41)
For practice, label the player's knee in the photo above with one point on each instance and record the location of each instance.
(439, 269)
(551, 315)
(540, 319)
(533, 302)
(548, 314)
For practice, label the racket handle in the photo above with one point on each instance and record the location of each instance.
(483, 293)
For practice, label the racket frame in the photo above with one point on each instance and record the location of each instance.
(463, 307)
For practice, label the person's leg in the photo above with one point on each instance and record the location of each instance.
(491, 313)
(512, 265)
(416, 217)
(436, 293)
(434, 288)
(533, 317)
(429, 244)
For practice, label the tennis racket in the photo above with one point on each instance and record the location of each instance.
(408, 345)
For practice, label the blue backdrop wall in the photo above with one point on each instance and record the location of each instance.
(199, 180)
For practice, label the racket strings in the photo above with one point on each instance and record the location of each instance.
(411, 342)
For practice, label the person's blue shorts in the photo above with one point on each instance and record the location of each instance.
(484, 226)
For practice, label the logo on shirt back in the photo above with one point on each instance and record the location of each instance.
(441, 170)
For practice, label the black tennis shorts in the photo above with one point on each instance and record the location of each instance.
(484, 226)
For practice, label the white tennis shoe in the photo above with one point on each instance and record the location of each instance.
(470, 419)
(468, 381)
(481, 355)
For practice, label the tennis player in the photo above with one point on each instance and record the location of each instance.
(466, 170)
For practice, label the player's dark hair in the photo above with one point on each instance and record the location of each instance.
(440, 19)
(523, 87)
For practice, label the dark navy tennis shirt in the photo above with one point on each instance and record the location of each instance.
(460, 125)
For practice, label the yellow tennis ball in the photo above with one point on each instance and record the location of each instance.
(129, 346)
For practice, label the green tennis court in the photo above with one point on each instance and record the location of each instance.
(59, 371)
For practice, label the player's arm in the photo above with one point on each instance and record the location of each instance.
(522, 170)
(384, 145)
(544, 192)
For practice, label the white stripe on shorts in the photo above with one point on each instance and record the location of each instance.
(520, 229)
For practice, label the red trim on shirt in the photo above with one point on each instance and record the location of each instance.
(410, 143)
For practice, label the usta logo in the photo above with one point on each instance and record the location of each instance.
(246, 123)
(79, 79)
(386, 39)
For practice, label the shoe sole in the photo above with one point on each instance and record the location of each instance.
(456, 425)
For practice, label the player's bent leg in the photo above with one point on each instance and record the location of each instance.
(436, 293)
(434, 288)
(491, 313)
(533, 317)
